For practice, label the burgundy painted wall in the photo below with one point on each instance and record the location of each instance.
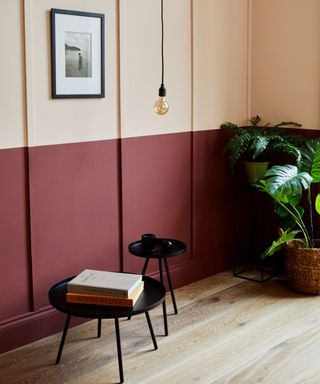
(15, 257)
(74, 223)
(212, 200)
(89, 200)
(74, 200)
(157, 190)
(74, 206)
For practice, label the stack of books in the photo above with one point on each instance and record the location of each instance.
(105, 288)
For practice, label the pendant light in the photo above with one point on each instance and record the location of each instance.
(161, 106)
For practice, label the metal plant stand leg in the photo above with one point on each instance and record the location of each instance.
(116, 322)
(99, 328)
(64, 334)
(170, 285)
(151, 331)
(164, 308)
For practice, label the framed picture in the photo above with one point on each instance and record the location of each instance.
(77, 54)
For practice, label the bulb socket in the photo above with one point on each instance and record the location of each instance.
(162, 91)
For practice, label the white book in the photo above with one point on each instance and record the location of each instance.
(104, 282)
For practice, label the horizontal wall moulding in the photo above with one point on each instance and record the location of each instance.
(31, 327)
(26, 317)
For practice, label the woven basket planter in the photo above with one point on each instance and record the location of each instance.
(303, 267)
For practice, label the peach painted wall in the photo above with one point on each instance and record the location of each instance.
(285, 76)
(12, 79)
(55, 121)
(208, 75)
(140, 63)
(220, 46)
(205, 71)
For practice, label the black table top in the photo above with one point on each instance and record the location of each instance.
(153, 294)
(136, 248)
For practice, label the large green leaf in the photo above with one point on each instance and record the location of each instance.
(288, 222)
(317, 203)
(284, 180)
(276, 245)
(310, 159)
(295, 199)
(281, 211)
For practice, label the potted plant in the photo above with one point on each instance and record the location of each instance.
(291, 188)
(253, 143)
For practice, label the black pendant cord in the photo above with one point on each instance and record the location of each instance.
(162, 39)
(162, 90)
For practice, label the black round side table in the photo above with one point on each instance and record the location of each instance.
(153, 294)
(163, 249)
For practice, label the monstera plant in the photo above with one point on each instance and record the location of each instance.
(296, 202)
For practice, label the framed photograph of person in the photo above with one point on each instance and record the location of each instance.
(77, 54)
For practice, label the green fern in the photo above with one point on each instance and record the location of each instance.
(255, 120)
(238, 146)
(230, 127)
(259, 145)
(288, 124)
(280, 144)
(254, 141)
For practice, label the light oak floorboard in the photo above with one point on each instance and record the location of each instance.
(228, 331)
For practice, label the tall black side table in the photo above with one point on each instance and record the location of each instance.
(160, 252)
(152, 295)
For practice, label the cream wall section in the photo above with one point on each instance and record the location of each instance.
(286, 60)
(12, 96)
(206, 63)
(140, 62)
(221, 29)
(205, 71)
(54, 121)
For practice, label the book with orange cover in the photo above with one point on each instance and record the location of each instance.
(112, 301)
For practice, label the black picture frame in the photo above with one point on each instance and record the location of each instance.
(77, 54)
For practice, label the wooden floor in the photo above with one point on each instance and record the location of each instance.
(228, 330)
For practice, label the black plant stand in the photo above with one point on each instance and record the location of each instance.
(251, 226)
(162, 253)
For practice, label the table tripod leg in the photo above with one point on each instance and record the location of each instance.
(99, 328)
(164, 309)
(145, 266)
(116, 321)
(160, 270)
(64, 334)
(151, 331)
(165, 321)
(170, 285)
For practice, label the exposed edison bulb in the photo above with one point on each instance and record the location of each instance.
(161, 106)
